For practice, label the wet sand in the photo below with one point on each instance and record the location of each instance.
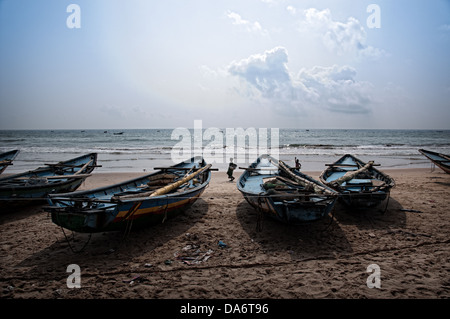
(325, 259)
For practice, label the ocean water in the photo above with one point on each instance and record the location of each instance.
(142, 150)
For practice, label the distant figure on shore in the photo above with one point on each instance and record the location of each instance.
(297, 164)
(231, 168)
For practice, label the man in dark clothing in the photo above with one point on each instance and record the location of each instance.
(297, 164)
(231, 168)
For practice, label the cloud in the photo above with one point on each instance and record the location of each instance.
(267, 77)
(266, 72)
(340, 37)
(247, 25)
(336, 89)
(291, 9)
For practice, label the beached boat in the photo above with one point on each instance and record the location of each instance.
(360, 184)
(35, 185)
(440, 160)
(285, 194)
(6, 159)
(139, 202)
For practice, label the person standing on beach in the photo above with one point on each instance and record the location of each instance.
(297, 164)
(231, 168)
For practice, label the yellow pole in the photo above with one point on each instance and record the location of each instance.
(177, 184)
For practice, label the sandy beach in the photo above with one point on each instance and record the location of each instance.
(324, 259)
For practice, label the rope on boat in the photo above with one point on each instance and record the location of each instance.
(387, 202)
(73, 236)
(165, 210)
(127, 230)
(260, 219)
(330, 196)
(129, 219)
(331, 220)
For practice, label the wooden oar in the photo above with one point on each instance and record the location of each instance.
(168, 188)
(303, 181)
(347, 165)
(180, 168)
(260, 169)
(351, 174)
(56, 177)
(162, 190)
(145, 190)
(69, 165)
(68, 176)
(83, 167)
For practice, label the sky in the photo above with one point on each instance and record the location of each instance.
(347, 64)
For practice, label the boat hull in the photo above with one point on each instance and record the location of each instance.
(291, 207)
(36, 194)
(110, 208)
(367, 190)
(440, 160)
(290, 212)
(34, 186)
(139, 214)
(6, 159)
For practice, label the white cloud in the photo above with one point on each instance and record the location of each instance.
(336, 89)
(207, 72)
(339, 37)
(291, 10)
(267, 72)
(247, 25)
(267, 77)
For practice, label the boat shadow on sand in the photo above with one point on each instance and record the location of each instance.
(327, 238)
(12, 214)
(106, 250)
(318, 239)
(379, 217)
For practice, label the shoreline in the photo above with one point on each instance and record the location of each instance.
(327, 259)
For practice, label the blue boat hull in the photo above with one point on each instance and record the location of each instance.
(6, 159)
(362, 192)
(290, 212)
(440, 160)
(109, 209)
(289, 206)
(36, 185)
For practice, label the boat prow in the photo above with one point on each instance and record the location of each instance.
(34, 186)
(440, 160)
(7, 158)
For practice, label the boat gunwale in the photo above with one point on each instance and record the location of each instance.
(439, 163)
(73, 195)
(385, 188)
(49, 168)
(300, 174)
(13, 152)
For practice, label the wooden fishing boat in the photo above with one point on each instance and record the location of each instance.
(440, 160)
(360, 184)
(35, 185)
(139, 202)
(285, 194)
(6, 159)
